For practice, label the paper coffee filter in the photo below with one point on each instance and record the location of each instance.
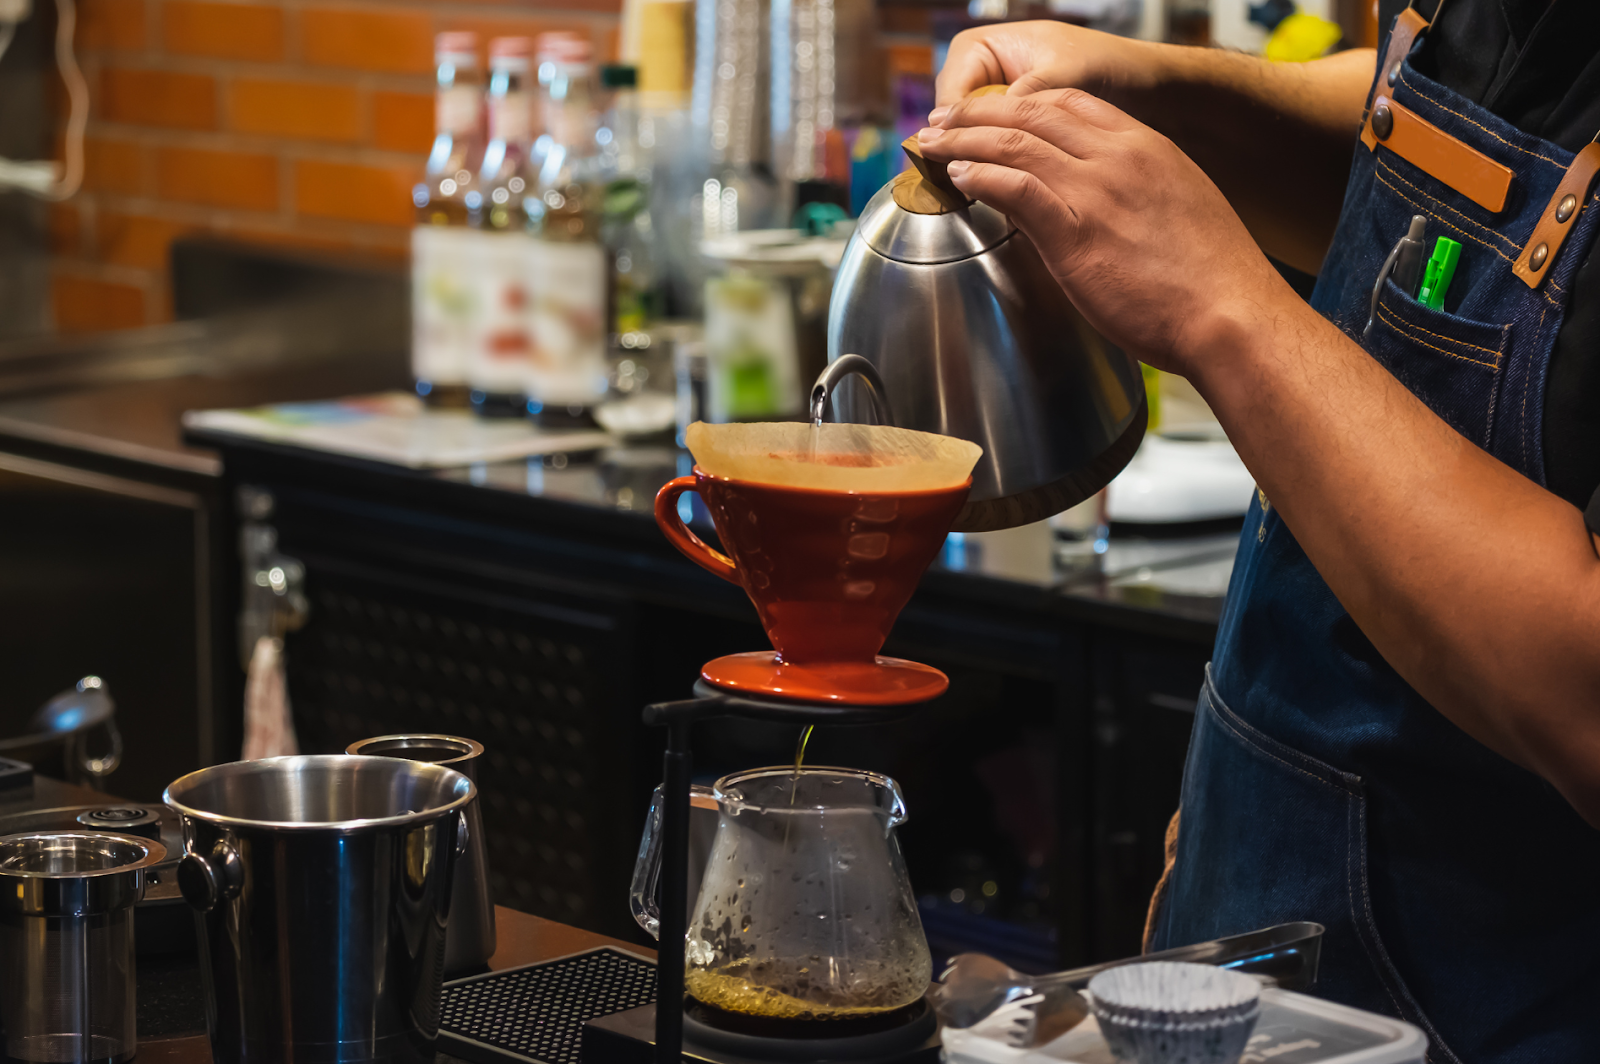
(867, 458)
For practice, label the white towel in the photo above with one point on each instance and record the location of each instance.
(268, 725)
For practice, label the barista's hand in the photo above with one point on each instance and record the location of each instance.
(1035, 56)
(1141, 240)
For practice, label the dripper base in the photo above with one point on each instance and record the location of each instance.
(881, 682)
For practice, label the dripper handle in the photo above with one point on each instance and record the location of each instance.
(643, 893)
(693, 547)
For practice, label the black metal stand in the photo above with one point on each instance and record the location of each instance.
(676, 771)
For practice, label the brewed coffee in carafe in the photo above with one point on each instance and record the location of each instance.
(805, 909)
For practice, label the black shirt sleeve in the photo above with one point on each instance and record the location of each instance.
(1591, 516)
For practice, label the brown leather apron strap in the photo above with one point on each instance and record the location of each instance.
(1419, 142)
(1404, 34)
(1435, 152)
(1560, 217)
(1159, 895)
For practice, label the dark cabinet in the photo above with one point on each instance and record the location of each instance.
(1039, 786)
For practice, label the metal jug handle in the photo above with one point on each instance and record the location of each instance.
(643, 893)
(836, 371)
(206, 880)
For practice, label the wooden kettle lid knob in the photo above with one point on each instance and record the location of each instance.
(927, 189)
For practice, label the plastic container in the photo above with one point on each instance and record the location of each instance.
(1293, 1029)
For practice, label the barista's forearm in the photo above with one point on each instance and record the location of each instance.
(1479, 587)
(1275, 137)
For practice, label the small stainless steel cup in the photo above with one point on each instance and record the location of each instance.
(469, 940)
(67, 988)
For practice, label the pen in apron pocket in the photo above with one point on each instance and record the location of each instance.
(1404, 266)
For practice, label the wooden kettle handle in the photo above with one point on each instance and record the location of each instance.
(928, 189)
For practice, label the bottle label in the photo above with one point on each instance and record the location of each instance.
(443, 302)
(569, 323)
(511, 118)
(752, 356)
(455, 110)
(504, 342)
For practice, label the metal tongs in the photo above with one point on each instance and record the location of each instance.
(1040, 1008)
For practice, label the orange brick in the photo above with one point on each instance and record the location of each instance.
(135, 240)
(402, 121)
(158, 98)
(110, 25)
(306, 110)
(899, 18)
(66, 229)
(113, 166)
(218, 178)
(229, 31)
(378, 194)
(83, 304)
(909, 59)
(394, 41)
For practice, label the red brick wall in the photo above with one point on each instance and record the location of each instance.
(294, 122)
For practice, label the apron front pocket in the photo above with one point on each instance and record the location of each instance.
(1453, 364)
(1269, 835)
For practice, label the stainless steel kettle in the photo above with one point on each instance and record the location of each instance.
(971, 336)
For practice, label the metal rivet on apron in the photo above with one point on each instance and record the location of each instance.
(1394, 72)
(1540, 253)
(1565, 208)
(1383, 121)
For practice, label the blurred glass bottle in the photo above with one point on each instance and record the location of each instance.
(443, 296)
(627, 139)
(504, 343)
(567, 374)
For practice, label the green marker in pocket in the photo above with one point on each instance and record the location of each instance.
(1440, 271)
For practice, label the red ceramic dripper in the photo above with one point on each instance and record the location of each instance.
(828, 573)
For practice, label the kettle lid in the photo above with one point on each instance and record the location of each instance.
(926, 239)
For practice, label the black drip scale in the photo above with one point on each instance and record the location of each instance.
(599, 1006)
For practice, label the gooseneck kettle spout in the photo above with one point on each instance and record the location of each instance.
(836, 371)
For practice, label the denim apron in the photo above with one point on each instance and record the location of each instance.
(1460, 892)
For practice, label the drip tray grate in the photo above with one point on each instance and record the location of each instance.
(536, 1013)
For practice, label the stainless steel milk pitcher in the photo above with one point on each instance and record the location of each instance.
(470, 940)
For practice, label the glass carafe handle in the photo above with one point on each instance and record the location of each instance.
(643, 894)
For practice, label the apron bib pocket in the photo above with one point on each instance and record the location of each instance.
(1453, 364)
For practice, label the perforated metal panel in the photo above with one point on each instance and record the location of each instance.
(536, 1013)
(533, 686)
